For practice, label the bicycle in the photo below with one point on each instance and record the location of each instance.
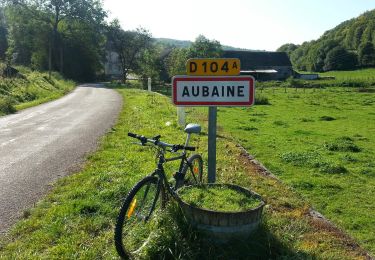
(143, 198)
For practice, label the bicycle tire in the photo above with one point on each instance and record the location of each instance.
(134, 216)
(193, 170)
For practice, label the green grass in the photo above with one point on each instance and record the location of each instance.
(321, 142)
(353, 74)
(76, 220)
(218, 198)
(31, 90)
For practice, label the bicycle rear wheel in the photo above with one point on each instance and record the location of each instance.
(193, 170)
(134, 225)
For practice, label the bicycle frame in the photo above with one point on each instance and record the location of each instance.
(161, 172)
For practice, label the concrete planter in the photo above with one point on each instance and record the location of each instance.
(223, 226)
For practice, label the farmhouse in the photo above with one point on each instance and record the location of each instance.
(263, 65)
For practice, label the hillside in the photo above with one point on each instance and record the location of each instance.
(30, 88)
(166, 42)
(349, 45)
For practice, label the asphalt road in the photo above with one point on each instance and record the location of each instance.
(43, 143)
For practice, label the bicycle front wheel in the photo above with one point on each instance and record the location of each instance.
(133, 227)
(193, 170)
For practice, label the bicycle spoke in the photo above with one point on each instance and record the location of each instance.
(134, 225)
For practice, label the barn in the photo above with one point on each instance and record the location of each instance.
(263, 65)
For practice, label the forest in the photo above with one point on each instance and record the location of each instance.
(73, 38)
(348, 46)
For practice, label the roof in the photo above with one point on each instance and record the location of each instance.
(251, 60)
(258, 71)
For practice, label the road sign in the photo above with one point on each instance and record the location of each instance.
(213, 91)
(213, 67)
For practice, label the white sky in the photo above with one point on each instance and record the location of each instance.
(258, 25)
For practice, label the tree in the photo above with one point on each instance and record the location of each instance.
(288, 48)
(25, 35)
(200, 48)
(53, 13)
(339, 59)
(205, 48)
(358, 36)
(84, 47)
(366, 54)
(176, 61)
(129, 45)
(323, 48)
(350, 34)
(3, 35)
(151, 64)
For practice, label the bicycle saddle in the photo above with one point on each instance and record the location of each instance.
(193, 129)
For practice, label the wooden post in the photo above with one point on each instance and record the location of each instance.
(149, 84)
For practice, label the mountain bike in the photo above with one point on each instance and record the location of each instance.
(133, 229)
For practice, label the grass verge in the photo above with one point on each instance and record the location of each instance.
(76, 220)
(30, 90)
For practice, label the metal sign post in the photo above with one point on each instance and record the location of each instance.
(212, 122)
(212, 83)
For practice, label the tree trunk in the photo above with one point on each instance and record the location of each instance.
(124, 76)
(53, 41)
(61, 58)
(50, 58)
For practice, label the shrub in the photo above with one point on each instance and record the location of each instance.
(327, 118)
(333, 169)
(349, 158)
(294, 83)
(248, 128)
(280, 123)
(7, 106)
(301, 158)
(304, 119)
(261, 100)
(342, 144)
(312, 159)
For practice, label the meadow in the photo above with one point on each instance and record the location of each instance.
(76, 220)
(320, 142)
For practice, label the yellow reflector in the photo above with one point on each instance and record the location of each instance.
(131, 208)
(196, 169)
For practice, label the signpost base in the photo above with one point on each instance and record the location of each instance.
(149, 84)
(181, 116)
(212, 121)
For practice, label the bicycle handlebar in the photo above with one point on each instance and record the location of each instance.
(156, 141)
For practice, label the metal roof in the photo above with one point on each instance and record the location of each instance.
(258, 71)
(251, 60)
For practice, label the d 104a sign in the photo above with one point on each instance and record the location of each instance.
(213, 67)
(213, 91)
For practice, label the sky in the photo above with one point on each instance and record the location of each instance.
(250, 24)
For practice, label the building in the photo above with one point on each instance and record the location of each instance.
(263, 65)
(112, 68)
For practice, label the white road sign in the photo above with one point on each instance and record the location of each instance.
(213, 91)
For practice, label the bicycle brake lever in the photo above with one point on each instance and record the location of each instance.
(156, 137)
